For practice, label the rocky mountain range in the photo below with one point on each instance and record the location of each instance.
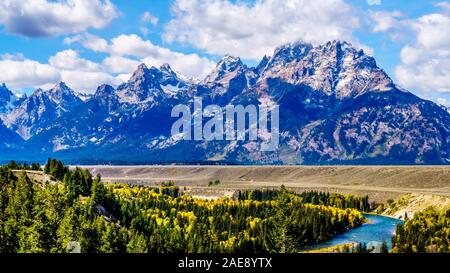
(8, 100)
(336, 107)
(40, 109)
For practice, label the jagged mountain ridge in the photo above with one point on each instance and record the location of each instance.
(336, 106)
(8, 100)
(39, 110)
(335, 68)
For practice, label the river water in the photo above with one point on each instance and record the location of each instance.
(378, 229)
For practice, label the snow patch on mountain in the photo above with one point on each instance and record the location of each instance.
(336, 105)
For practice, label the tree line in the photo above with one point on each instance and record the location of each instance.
(13, 165)
(49, 217)
(313, 197)
(427, 231)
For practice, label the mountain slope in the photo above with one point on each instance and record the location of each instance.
(122, 116)
(7, 100)
(229, 79)
(8, 138)
(37, 112)
(335, 68)
(336, 107)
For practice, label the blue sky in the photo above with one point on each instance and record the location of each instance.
(89, 42)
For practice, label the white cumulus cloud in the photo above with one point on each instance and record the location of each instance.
(88, 81)
(127, 50)
(25, 73)
(81, 74)
(119, 64)
(384, 21)
(443, 102)
(425, 63)
(251, 30)
(37, 18)
(148, 18)
(89, 41)
(70, 60)
(124, 54)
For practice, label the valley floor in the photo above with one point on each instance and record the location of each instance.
(381, 183)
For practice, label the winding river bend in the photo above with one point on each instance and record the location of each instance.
(378, 229)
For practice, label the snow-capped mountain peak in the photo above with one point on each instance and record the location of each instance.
(61, 87)
(335, 68)
(169, 76)
(337, 45)
(167, 70)
(226, 68)
(62, 94)
(104, 90)
(8, 99)
(229, 78)
(169, 73)
(106, 95)
(41, 107)
(289, 52)
(139, 74)
(263, 64)
(148, 85)
(4, 89)
(336, 106)
(230, 63)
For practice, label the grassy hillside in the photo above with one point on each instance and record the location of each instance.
(379, 182)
